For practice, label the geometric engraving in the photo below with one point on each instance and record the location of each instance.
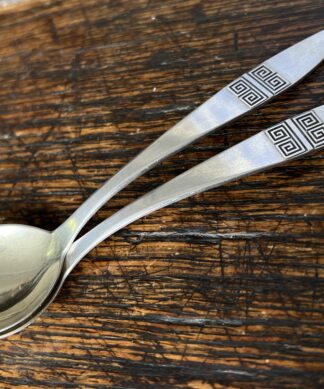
(312, 128)
(290, 139)
(269, 79)
(250, 93)
(247, 92)
(286, 140)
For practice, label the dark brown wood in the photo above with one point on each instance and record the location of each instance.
(221, 290)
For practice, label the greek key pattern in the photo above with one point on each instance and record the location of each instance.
(312, 127)
(247, 92)
(270, 80)
(298, 135)
(258, 85)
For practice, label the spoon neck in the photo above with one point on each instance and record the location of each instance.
(179, 136)
(66, 234)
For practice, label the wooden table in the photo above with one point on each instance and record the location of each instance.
(224, 289)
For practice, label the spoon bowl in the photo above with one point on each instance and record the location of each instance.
(30, 264)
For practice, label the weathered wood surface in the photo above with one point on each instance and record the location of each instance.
(221, 290)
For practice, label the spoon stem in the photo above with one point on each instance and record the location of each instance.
(241, 96)
(287, 140)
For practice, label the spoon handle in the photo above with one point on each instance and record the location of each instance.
(247, 92)
(287, 140)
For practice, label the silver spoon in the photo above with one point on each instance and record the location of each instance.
(287, 140)
(31, 259)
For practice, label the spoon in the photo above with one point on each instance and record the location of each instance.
(287, 140)
(31, 259)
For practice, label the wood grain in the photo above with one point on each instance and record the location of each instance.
(221, 290)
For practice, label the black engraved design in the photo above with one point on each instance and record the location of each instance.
(247, 92)
(290, 139)
(263, 83)
(269, 79)
(312, 128)
(286, 140)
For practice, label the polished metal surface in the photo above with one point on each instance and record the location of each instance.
(31, 259)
